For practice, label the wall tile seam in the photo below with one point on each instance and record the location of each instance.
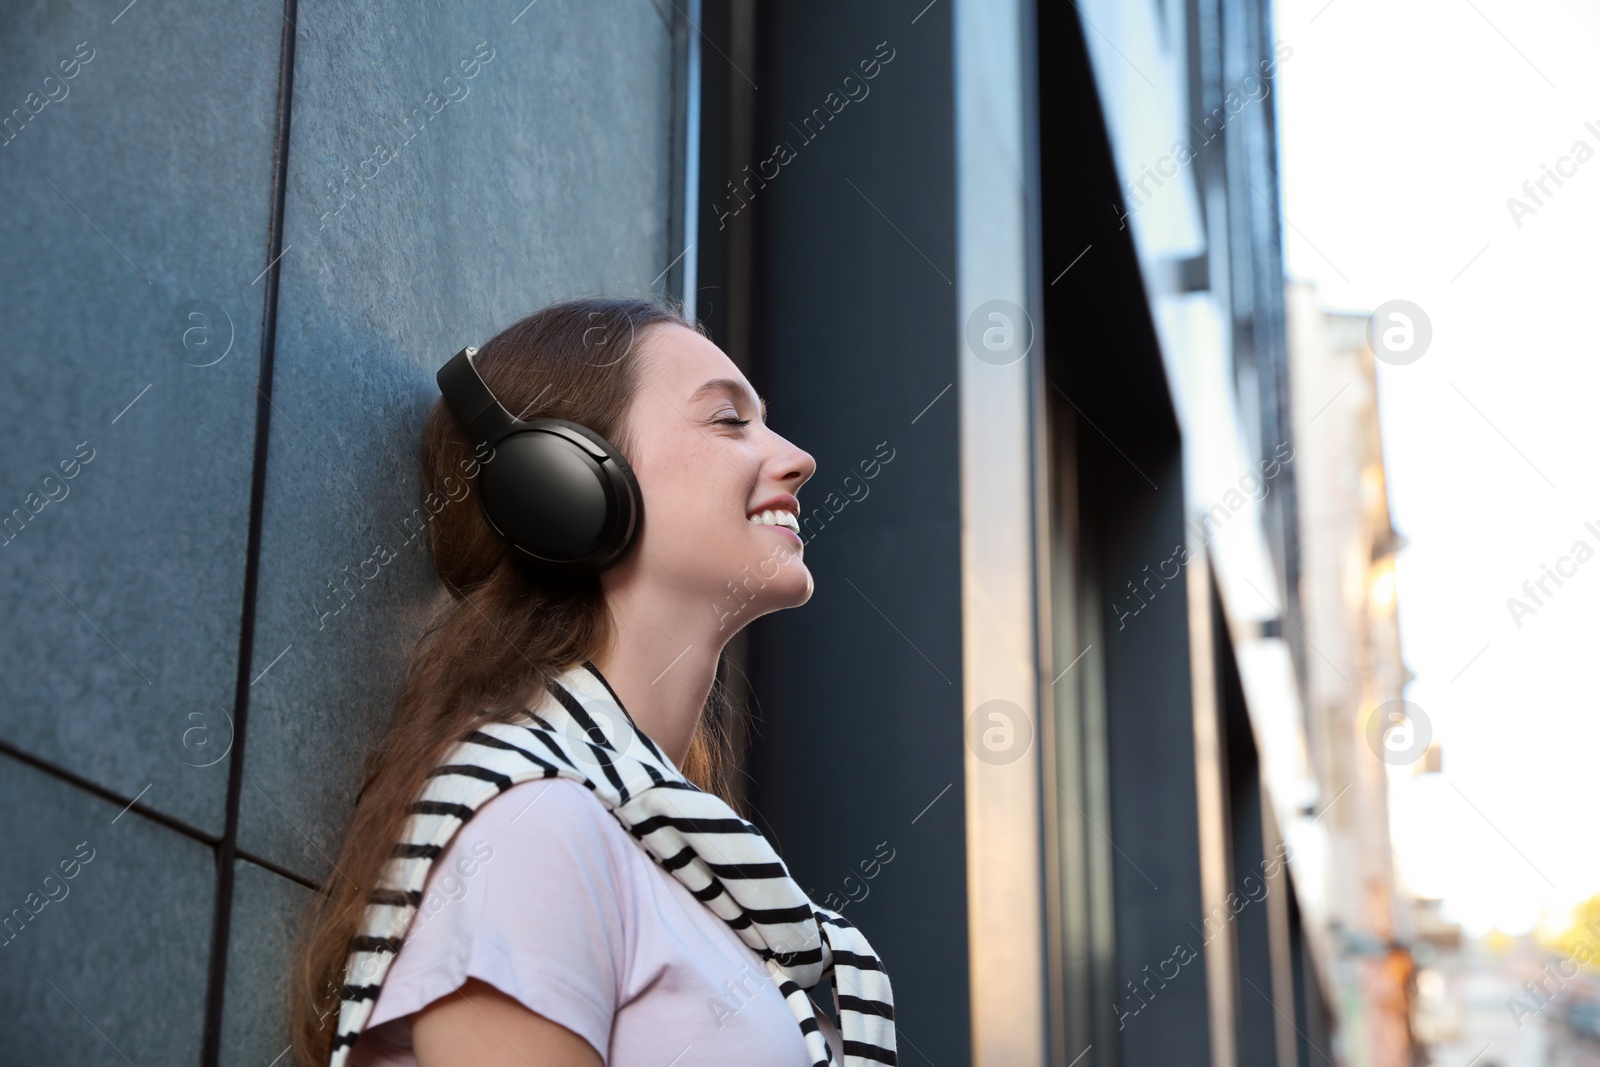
(226, 851)
(106, 793)
(161, 818)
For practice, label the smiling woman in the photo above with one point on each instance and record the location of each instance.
(628, 898)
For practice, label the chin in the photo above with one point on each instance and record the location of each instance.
(792, 584)
(800, 595)
(789, 588)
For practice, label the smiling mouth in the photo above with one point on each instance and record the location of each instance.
(786, 519)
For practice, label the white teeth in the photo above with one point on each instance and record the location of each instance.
(776, 518)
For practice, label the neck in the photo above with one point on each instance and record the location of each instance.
(661, 669)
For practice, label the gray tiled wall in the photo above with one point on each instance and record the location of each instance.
(266, 913)
(548, 177)
(144, 187)
(141, 198)
(106, 929)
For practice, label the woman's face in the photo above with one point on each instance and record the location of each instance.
(702, 477)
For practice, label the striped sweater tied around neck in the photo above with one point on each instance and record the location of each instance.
(579, 730)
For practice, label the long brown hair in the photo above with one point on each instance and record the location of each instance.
(506, 629)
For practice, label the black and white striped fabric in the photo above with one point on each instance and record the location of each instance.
(580, 731)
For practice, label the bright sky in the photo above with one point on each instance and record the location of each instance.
(1405, 129)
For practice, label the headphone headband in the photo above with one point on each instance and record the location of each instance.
(486, 420)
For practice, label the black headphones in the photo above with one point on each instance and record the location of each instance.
(560, 493)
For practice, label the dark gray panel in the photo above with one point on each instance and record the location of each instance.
(1161, 983)
(143, 187)
(859, 720)
(267, 909)
(546, 176)
(107, 966)
(1246, 910)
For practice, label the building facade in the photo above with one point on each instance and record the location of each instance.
(1023, 262)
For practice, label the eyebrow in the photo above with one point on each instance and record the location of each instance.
(733, 388)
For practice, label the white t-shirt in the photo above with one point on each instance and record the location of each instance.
(543, 895)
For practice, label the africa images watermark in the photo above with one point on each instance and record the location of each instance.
(1206, 526)
(1539, 992)
(870, 869)
(723, 1010)
(1221, 913)
(12, 125)
(1183, 153)
(1581, 152)
(833, 504)
(341, 594)
(33, 903)
(455, 91)
(1581, 552)
(855, 90)
(444, 888)
(416, 525)
(12, 525)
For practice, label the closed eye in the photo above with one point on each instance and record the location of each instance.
(733, 422)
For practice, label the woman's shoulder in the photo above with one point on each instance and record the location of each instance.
(531, 896)
(545, 819)
(546, 841)
(543, 841)
(544, 797)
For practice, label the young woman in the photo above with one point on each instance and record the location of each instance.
(542, 867)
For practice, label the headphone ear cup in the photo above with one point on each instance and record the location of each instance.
(563, 495)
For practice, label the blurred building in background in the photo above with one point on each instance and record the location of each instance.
(1104, 627)
(1358, 731)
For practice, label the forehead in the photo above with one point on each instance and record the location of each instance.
(689, 368)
